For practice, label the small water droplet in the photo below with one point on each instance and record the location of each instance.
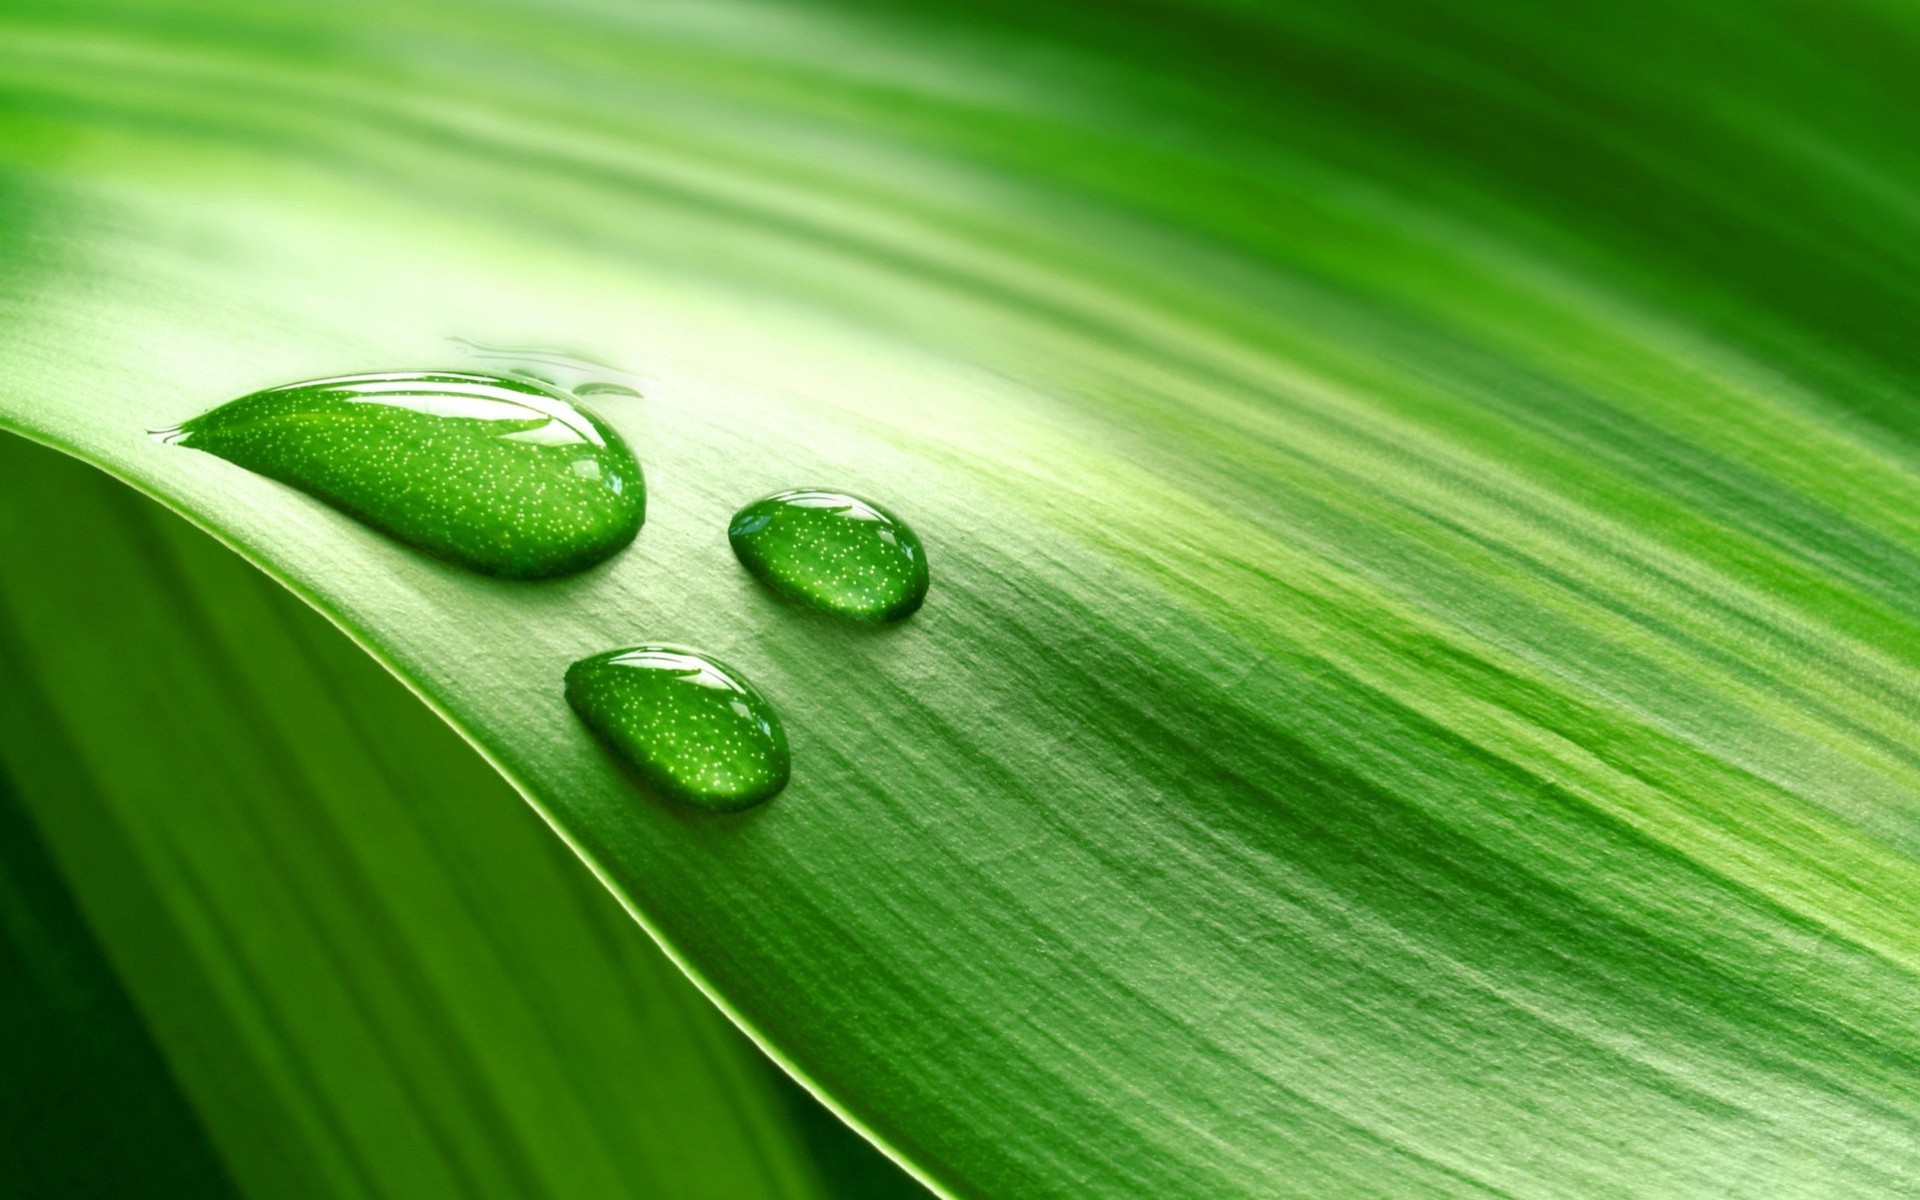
(501, 475)
(693, 727)
(834, 552)
(605, 387)
(574, 373)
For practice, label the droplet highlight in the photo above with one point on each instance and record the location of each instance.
(693, 727)
(502, 475)
(834, 552)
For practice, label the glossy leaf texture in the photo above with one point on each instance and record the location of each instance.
(1426, 500)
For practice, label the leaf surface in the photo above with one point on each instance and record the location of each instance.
(1418, 688)
(366, 968)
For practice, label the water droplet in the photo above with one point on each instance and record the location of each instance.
(574, 373)
(501, 475)
(835, 552)
(692, 726)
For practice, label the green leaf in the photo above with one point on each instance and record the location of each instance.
(87, 1102)
(367, 967)
(1418, 686)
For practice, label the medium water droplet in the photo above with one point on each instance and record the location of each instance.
(501, 475)
(692, 726)
(835, 552)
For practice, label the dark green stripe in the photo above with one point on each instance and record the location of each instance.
(88, 1108)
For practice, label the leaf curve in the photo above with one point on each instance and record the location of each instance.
(1417, 695)
(366, 967)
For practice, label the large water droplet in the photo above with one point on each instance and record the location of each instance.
(835, 552)
(693, 727)
(502, 475)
